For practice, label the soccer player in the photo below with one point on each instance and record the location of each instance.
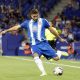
(36, 33)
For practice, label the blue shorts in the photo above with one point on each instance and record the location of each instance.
(45, 49)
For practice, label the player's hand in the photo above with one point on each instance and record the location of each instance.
(3, 32)
(62, 40)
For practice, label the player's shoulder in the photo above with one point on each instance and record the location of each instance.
(43, 19)
(26, 21)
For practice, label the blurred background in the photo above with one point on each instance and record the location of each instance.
(64, 15)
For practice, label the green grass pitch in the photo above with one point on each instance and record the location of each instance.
(24, 68)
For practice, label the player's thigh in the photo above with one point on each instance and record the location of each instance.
(49, 51)
(36, 51)
(52, 53)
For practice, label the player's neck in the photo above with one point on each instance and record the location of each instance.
(35, 20)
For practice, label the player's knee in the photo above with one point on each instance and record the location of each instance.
(56, 58)
(35, 55)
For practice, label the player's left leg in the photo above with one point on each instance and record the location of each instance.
(49, 52)
(57, 55)
(52, 54)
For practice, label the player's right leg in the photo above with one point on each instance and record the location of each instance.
(39, 64)
(36, 53)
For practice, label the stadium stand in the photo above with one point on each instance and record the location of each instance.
(67, 22)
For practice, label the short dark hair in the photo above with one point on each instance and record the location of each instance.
(34, 11)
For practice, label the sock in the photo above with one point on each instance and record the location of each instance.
(39, 64)
(59, 54)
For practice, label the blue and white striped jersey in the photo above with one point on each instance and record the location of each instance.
(36, 30)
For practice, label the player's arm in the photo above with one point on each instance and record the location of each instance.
(10, 29)
(54, 31)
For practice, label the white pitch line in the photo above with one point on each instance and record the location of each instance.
(72, 61)
(44, 62)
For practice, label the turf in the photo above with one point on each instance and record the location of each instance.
(24, 68)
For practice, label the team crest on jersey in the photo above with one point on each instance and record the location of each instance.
(34, 29)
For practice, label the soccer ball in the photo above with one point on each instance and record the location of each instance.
(58, 71)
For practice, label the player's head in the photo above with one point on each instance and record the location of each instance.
(34, 14)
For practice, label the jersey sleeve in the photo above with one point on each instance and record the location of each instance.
(47, 25)
(24, 24)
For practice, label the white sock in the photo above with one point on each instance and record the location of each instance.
(59, 54)
(39, 64)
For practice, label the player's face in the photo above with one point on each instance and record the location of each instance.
(34, 16)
